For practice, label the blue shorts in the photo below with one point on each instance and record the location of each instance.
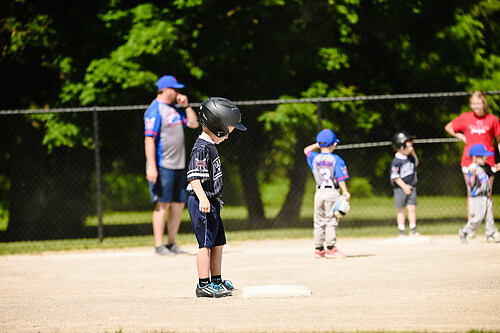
(170, 186)
(401, 199)
(207, 227)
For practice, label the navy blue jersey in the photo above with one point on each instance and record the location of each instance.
(403, 167)
(205, 165)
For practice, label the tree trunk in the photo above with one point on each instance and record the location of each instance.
(290, 212)
(251, 190)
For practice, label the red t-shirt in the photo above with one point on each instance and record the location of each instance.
(477, 130)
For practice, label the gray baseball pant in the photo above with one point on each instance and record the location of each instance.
(325, 223)
(481, 208)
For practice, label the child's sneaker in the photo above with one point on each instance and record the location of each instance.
(334, 254)
(414, 232)
(227, 285)
(494, 238)
(401, 233)
(463, 235)
(319, 254)
(211, 290)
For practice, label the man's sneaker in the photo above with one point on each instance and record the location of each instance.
(494, 238)
(163, 251)
(334, 254)
(211, 290)
(177, 250)
(463, 235)
(227, 285)
(414, 232)
(318, 254)
(401, 233)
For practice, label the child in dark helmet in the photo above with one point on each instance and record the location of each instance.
(219, 117)
(404, 180)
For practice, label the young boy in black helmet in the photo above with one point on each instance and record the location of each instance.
(219, 117)
(404, 180)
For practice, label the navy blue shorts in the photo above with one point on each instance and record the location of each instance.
(207, 227)
(170, 186)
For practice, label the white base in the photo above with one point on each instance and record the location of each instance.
(275, 291)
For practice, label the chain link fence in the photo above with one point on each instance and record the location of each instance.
(80, 172)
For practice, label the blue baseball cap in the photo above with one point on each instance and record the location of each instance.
(479, 150)
(168, 81)
(326, 138)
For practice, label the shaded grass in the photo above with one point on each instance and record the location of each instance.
(362, 209)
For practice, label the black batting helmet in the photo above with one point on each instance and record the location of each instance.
(399, 139)
(217, 114)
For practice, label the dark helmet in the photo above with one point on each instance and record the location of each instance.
(399, 139)
(217, 114)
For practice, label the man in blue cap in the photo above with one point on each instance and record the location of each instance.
(330, 174)
(164, 123)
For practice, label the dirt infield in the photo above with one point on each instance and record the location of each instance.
(411, 284)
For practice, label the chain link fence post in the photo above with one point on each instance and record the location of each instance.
(97, 158)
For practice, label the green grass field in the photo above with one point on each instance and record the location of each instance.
(437, 215)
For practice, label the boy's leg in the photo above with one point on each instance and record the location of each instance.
(489, 220)
(216, 260)
(478, 212)
(412, 220)
(400, 218)
(203, 263)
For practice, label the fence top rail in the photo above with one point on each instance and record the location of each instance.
(254, 102)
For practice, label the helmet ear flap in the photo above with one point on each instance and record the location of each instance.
(210, 121)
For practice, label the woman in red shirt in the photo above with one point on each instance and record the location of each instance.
(476, 126)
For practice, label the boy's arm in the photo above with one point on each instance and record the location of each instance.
(405, 187)
(345, 193)
(310, 148)
(202, 197)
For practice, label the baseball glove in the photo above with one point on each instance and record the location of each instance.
(341, 207)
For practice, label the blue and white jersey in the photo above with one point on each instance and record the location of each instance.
(166, 124)
(403, 167)
(482, 184)
(328, 169)
(205, 165)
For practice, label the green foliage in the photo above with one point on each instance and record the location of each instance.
(122, 191)
(152, 34)
(333, 58)
(35, 33)
(59, 132)
(360, 187)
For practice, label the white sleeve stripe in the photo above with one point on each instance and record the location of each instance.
(204, 175)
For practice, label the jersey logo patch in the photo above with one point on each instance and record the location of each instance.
(149, 123)
(201, 165)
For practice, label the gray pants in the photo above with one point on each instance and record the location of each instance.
(481, 208)
(325, 223)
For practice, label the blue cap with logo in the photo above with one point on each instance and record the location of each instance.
(168, 81)
(326, 138)
(479, 150)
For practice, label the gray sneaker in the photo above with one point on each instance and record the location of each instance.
(463, 235)
(414, 232)
(177, 250)
(163, 251)
(494, 238)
